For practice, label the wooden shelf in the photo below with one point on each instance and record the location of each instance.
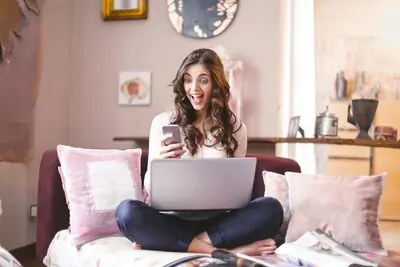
(274, 140)
(130, 139)
(330, 141)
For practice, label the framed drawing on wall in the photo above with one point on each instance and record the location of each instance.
(134, 88)
(294, 125)
(124, 9)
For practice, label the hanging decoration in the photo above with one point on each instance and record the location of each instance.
(20, 28)
(234, 72)
(202, 19)
(13, 18)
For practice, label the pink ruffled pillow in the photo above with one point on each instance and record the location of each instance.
(345, 207)
(95, 181)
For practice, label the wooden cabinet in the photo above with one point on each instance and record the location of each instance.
(388, 160)
(346, 160)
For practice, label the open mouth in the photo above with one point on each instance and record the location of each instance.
(197, 99)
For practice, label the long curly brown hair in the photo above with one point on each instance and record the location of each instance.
(222, 119)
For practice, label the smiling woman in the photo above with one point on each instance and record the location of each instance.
(209, 129)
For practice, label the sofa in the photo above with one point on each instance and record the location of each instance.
(54, 248)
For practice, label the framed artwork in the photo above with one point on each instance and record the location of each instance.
(201, 19)
(124, 9)
(294, 124)
(134, 88)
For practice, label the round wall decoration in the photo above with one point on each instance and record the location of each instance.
(201, 19)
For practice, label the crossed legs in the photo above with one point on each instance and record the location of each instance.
(248, 230)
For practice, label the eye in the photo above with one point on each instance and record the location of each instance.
(204, 81)
(187, 80)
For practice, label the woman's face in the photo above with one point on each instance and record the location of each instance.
(198, 86)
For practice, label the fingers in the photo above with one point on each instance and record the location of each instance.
(167, 138)
(171, 147)
(172, 150)
(173, 153)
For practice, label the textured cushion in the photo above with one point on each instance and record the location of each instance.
(95, 181)
(346, 207)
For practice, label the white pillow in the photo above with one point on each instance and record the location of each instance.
(276, 186)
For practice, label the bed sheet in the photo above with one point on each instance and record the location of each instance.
(103, 252)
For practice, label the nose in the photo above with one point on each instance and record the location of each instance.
(195, 86)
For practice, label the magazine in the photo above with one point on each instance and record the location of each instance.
(313, 249)
(317, 249)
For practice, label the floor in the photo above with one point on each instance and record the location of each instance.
(32, 263)
(390, 232)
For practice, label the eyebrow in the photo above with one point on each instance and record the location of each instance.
(201, 75)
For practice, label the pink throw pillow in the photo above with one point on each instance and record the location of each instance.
(345, 207)
(95, 181)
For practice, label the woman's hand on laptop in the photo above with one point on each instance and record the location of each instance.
(171, 150)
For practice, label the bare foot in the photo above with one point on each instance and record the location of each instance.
(199, 246)
(258, 248)
(204, 237)
(136, 246)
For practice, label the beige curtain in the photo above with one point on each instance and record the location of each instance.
(19, 76)
(298, 91)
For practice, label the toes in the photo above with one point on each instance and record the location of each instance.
(265, 242)
(267, 250)
(265, 253)
(136, 246)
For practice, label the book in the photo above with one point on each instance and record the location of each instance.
(312, 249)
(317, 249)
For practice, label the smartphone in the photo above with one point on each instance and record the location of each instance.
(174, 131)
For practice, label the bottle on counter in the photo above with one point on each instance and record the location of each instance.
(360, 82)
(341, 86)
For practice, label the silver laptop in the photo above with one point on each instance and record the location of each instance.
(201, 184)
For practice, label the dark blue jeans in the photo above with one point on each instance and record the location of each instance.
(260, 219)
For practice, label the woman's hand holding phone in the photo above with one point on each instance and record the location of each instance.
(169, 149)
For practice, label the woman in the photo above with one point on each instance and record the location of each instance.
(210, 129)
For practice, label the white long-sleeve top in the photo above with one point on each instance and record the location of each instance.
(156, 136)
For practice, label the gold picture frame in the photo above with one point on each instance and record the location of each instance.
(124, 9)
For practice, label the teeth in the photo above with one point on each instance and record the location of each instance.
(197, 98)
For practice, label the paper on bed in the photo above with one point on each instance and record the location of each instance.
(317, 249)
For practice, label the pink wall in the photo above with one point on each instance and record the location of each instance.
(78, 91)
(102, 49)
(18, 182)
